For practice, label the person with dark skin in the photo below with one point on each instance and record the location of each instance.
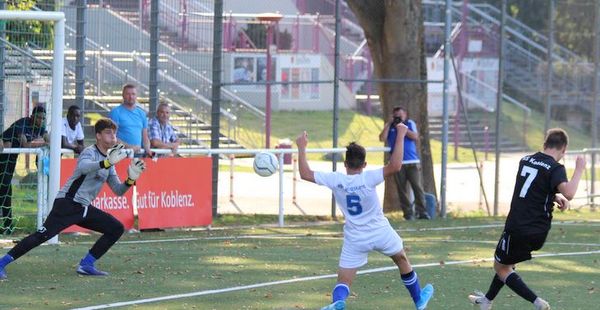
(72, 133)
(27, 132)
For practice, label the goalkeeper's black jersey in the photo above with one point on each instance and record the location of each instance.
(536, 185)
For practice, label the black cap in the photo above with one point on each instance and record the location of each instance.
(38, 109)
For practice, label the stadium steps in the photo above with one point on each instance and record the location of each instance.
(175, 80)
(526, 65)
(29, 65)
(190, 130)
(478, 134)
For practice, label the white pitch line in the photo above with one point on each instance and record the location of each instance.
(321, 235)
(304, 279)
(292, 236)
(495, 242)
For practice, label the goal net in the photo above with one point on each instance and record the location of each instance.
(31, 94)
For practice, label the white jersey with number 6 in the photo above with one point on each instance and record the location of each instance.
(357, 198)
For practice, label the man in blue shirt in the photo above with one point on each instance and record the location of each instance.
(132, 122)
(411, 169)
(26, 132)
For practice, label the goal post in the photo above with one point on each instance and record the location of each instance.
(58, 18)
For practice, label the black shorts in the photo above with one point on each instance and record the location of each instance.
(513, 248)
(66, 212)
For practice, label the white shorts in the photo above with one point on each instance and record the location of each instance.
(384, 240)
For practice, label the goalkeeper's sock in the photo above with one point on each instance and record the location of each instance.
(88, 260)
(411, 281)
(340, 292)
(5, 260)
(495, 288)
(516, 284)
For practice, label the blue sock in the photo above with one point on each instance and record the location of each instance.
(411, 281)
(88, 260)
(340, 292)
(5, 260)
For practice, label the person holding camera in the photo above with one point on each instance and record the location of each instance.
(411, 168)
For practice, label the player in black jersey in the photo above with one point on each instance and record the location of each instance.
(541, 183)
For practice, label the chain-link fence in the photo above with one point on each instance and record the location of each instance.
(281, 56)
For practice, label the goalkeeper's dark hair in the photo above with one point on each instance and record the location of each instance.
(556, 138)
(355, 156)
(104, 123)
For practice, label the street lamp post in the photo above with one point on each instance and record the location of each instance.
(270, 19)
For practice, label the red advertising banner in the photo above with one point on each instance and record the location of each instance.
(121, 207)
(175, 192)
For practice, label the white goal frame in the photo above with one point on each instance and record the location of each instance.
(57, 90)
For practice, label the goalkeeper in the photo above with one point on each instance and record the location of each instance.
(73, 202)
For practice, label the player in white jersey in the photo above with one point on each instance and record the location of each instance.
(366, 228)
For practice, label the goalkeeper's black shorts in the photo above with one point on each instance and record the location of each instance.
(513, 248)
(66, 212)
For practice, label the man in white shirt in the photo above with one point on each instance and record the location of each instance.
(72, 133)
(366, 228)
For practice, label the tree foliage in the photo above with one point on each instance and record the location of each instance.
(573, 23)
(30, 33)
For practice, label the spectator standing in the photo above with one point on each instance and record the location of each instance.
(411, 168)
(26, 132)
(132, 122)
(161, 133)
(72, 132)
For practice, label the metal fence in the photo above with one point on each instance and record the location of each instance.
(281, 56)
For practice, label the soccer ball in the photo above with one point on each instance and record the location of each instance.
(265, 164)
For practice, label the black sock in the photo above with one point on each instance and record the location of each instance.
(495, 288)
(518, 286)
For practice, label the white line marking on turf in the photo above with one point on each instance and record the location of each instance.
(304, 279)
(293, 236)
(300, 236)
(495, 242)
(336, 235)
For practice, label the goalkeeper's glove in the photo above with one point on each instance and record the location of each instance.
(115, 155)
(134, 171)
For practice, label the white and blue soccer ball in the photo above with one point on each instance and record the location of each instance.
(265, 164)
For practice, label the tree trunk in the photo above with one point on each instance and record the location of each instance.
(395, 36)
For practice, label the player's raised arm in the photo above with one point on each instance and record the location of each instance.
(135, 169)
(395, 163)
(305, 172)
(568, 189)
(87, 164)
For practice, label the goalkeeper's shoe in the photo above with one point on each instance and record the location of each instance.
(3, 274)
(338, 305)
(479, 299)
(426, 294)
(90, 270)
(541, 304)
